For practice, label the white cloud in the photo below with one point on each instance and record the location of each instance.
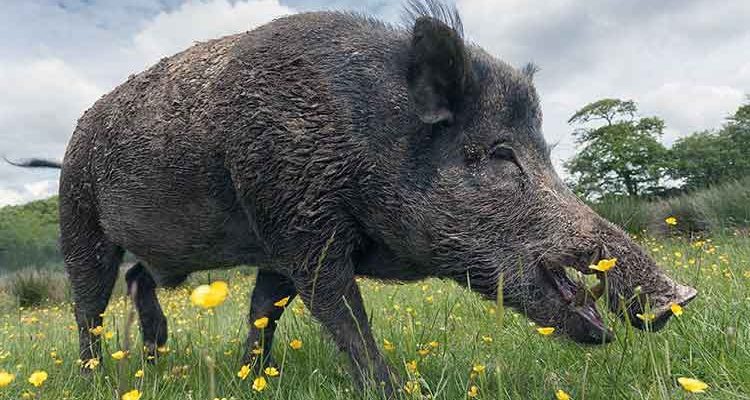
(43, 97)
(174, 31)
(691, 107)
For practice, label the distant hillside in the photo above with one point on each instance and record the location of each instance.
(29, 235)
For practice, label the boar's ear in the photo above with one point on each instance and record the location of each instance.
(438, 73)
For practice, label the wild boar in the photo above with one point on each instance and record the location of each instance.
(325, 146)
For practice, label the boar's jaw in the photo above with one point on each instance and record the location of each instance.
(579, 317)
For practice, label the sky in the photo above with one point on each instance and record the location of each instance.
(683, 60)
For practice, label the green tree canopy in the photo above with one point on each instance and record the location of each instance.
(707, 158)
(620, 154)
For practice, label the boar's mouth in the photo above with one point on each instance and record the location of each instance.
(580, 318)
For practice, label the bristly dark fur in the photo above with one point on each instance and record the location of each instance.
(530, 69)
(448, 14)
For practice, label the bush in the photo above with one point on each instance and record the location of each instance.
(716, 209)
(31, 287)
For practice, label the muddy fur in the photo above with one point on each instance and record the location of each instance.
(323, 146)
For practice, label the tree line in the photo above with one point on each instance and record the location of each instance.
(620, 153)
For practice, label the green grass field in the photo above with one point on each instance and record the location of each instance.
(455, 331)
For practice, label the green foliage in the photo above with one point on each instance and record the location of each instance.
(706, 158)
(29, 235)
(621, 157)
(32, 287)
(716, 209)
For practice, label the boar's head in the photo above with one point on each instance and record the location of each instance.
(470, 193)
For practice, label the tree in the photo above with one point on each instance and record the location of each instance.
(621, 157)
(706, 158)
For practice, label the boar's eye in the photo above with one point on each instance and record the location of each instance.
(505, 153)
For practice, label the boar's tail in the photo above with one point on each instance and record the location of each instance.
(35, 163)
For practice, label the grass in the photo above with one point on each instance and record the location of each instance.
(710, 341)
(719, 208)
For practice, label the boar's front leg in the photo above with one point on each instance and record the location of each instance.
(334, 299)
(270, 288)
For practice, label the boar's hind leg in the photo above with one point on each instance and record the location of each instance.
(142, 288)
(92, 262)
(335, 301)
(270, 287)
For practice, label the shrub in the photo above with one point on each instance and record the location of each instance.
(31, 287)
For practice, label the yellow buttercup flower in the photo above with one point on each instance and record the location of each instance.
(282, 303)
(271, 371)
(37, 378)
(692, 385)
(646, 317)
(412, 366)
(561, 395)
(478, 368)
(244, 372)
(434, 344)
(672, 221)
(411, 387)
(604, 265)
(295, 344)
(259, 384)
(473, 391)
(92, 363)
(139, 373)
(119, 355)
(97, 331)
(6, 379)
(132, 395)
(545, 331)
(388, 346)
(210, 296)
(487, 339)
(676, 309)
(261, 322)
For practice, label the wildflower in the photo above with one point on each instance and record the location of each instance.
(162, 349)
(604, 265)
(546, 331)
(109, 335)
(487, 339)
(692, 385)
(411, 387)
(132, 395)
(6, 378)
(92, 363)
(478, 368)
(259, 384)
(561, 395)
(676, 309)
(119, 355)
(295, 344)
(282, 303)
(388, 346)
(671, 221)
(271, 371)
(412, 366)
(37, 378)
(473, 391)
(646, 317)
(97, 331)
(244, 372)
(261, 323)
(210, 296)
(423, 351)
(434, 344)
(139, 373)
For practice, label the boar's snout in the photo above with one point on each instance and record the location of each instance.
(661, 307)
(639, 290)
